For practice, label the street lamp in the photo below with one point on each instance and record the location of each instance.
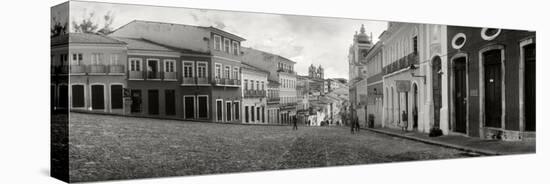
(413, 69)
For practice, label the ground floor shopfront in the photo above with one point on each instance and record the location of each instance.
(492, 84)
(95, 93)
(254, 110)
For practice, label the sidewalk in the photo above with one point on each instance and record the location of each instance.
(470, 144)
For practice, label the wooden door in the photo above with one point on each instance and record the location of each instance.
(98, 97)
(136, 100)
(493, 88)
(189, 107)
(530, 87)
(153, 101)
(170, 101)
(460, 94)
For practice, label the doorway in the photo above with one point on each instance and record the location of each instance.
(136, 100)
(493, 88)
(98, 97)
(189, 107)
(460, 98)
(530, 87)
(415, 107)
(153, 101)
(170, 101)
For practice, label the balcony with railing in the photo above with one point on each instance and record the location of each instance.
(116, 70)
(286, 71)
(170, 76)
(153, 75)
(226, 82)
(78, 69)
(97, 70)
(273, 100)
(401, 63)
(192, 81)
(254, 93)
(135, 75)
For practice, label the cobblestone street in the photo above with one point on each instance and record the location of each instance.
(111, 147)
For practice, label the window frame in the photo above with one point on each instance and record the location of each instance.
(191, 70)
(218, 44)
(133, 66)
(173, 67)
(205, 69)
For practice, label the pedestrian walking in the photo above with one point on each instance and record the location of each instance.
(294, 123)
(404, 121)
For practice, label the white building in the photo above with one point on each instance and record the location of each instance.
(254, 91)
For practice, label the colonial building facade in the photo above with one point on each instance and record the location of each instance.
(210, 67)
(97, 73)
(280, 70)
(492, 82)
(254, 90)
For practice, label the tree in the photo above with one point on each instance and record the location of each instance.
(58, 28)
(86, 25)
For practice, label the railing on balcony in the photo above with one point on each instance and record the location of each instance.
(78, 69)
(401, 63)
(254, 93)
(116, 69)
(170, 76)
(97, 69)
(153, 75)
(273, 100)
(188, 81)
(202, 81)
(227, 82)
(135, 75)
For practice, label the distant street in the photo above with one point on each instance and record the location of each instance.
(111, 147)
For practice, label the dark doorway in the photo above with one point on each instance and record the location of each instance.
(116, 97)
(153, 101)
(219, 110)
(246, 114)
(136, 100)
(493, 88)
(436, 81)
(77, 95)
(203, 107)
(189, 107)
(237, 110)
(530, 87)
(170, 102)
(415, 107)
(460, 94)
(98, 97)
(228, 111)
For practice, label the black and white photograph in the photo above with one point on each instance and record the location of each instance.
(151, 91)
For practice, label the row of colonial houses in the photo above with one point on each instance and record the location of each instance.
(470, 81)
(157, 69)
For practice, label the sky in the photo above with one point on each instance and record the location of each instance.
(304, 39)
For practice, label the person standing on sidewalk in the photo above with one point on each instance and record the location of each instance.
(404, 121)
(294, 123)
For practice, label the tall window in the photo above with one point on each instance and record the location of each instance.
(226, 72)
(252, 84)
(237, 109)
(76, 59)
(227, 45)
(217, 42)
(97, 58)
(218, 73)
(114, 59)
(258, 85)
(187, 69)
(135, 64)
(169, 66)
(236, 73)
(415, 44)
(201, 69)
(262, 85)
(245, 85)
(235, 48)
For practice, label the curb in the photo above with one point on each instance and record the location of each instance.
(437, 143)
(170, 118)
